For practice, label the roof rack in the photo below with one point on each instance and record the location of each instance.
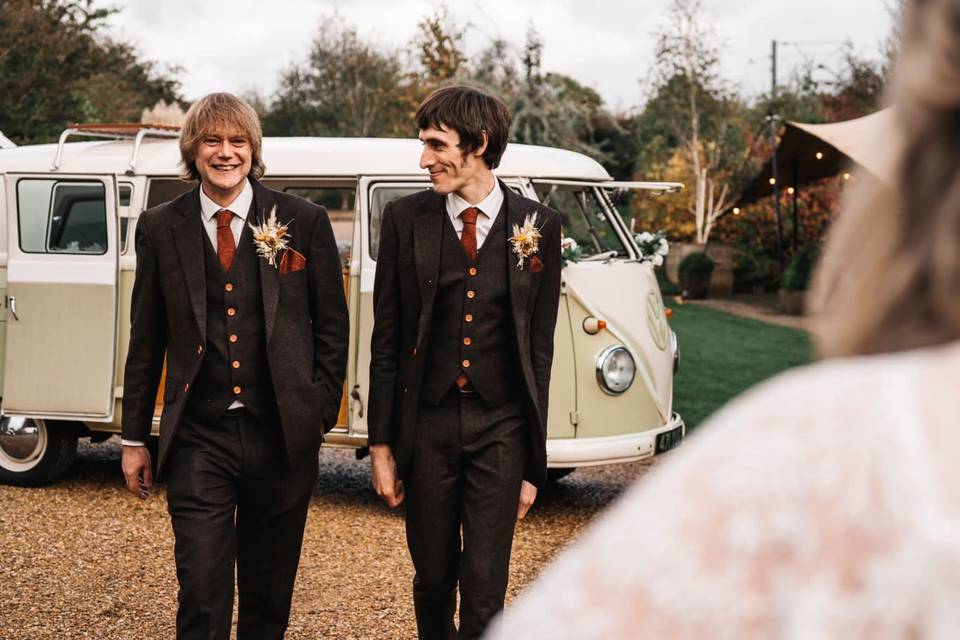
(116, 131)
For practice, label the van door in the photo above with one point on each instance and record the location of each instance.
(62, 274)
(373, 194)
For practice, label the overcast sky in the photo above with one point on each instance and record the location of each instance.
(244, 45)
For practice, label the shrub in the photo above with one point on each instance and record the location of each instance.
(696, 263)
(796, 277)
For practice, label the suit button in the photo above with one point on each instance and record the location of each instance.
(472, 271)
(467, 341)
(233, 337)
(199, 349)
(236, 391)
(231, 312)
(471, 294)
(468, 317)
(228, 286)
(466, 364)
(235, 364)
(186, 387)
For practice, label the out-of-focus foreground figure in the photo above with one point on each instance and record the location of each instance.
(825, 503)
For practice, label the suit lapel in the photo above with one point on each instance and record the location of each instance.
(427, 230)
(263, 203)
(519, 279)
(188, 237)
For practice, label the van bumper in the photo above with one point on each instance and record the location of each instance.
(588, 452)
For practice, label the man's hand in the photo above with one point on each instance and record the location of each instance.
(135, 462)
(528, 494)
(384, 470)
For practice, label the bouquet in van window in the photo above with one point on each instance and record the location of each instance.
(653, 247)
(570, 251)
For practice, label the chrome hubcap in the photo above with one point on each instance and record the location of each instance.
(23, 442)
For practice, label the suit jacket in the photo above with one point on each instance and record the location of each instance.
(404, 291)
(305, 316)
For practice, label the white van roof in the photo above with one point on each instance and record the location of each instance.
(295, 157)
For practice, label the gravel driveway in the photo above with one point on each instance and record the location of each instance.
(84, 559)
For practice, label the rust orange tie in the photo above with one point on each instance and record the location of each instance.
(468, 237)
(226, 247)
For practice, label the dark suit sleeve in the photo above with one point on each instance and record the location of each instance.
(544, 320)
(148, 341)
(384, 345)
(328, 315)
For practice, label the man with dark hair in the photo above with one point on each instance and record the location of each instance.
(252, 323)
(465, 305)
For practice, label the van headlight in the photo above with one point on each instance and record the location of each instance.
(615, 370)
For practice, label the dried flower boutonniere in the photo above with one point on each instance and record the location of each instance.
(525, 240)
(270, 237)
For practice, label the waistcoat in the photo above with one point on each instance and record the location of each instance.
(472, 330)
(235, 363)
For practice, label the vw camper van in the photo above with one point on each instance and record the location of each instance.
(68, 212)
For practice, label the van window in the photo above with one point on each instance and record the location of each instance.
(162, 190)
(383, 193)
(583, 217)
(62, 216)
(338, 201)
(380, 195)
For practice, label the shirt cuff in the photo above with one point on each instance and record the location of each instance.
(132, 443)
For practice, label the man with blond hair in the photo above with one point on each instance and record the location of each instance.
(250, 314)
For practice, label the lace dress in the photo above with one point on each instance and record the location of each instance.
(823, 504)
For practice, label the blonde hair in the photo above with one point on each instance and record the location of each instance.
(890, 278)
(213, 113)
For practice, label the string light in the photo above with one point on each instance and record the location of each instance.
(790, 190)
(773, 181)
(736, 211)
(819, 155)
(846, 176)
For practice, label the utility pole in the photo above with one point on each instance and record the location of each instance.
(774, 118)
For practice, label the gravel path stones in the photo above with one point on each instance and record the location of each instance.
(84, 559)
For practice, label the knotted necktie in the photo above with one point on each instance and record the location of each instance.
(468, 238)
(225, 243)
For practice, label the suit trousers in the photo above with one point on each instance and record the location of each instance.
(465, 476)
(235, 504)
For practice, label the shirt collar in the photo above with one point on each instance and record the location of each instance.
(489, 206)
(239, 207)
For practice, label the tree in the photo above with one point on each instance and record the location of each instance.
(347, 87)
(698, 111)
(548, 109)
(56, 70)
(438, 45)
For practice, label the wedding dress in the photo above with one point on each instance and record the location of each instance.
(822, 504)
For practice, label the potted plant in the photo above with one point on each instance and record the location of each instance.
(796, 278)
(695, 271)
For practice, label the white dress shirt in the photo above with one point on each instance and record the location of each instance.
(489, 208)
(240, 207)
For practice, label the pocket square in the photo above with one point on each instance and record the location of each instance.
(536, 264)
(291, 261)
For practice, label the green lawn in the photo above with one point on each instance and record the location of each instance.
(722, 355)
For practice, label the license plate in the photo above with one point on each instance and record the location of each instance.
(669, 439)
